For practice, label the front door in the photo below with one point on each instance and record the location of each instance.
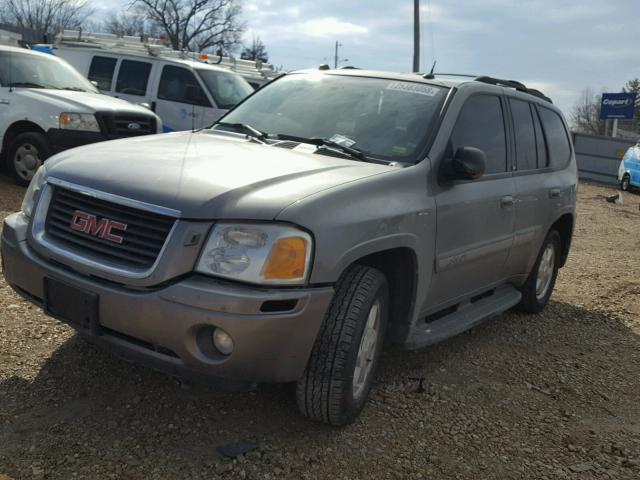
(475, 218)
(181, 100)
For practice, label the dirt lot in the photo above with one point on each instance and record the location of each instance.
(548, 396)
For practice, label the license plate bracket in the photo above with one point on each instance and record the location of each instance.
(72, 305)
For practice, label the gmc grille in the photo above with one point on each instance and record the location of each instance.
(120, 125)
(142, 241)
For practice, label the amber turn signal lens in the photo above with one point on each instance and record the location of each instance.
(64, 119)
(287, 259)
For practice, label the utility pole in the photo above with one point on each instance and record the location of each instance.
(416, 35)
(335, 58)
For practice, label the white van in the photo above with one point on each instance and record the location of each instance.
(186, 94)
(46, 106)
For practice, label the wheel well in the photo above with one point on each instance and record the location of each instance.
(564, 226)
(399, 265)
(16, 129)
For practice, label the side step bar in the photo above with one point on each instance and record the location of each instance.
(466, 316)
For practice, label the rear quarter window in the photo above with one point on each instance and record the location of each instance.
(557, 138)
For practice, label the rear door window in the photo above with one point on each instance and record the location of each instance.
(481, 125)
(133, 77)
(101, 71)
(525, 135)
(541, 146)
(178, 84)
(557, 138)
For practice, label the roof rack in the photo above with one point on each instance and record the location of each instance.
(155, 47)
(519, 86)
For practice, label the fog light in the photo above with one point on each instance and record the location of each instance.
(222, 341)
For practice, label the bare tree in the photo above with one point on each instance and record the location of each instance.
(196, 25)
(585, 115)
(255, 51)
(127, 23)
(46, 17)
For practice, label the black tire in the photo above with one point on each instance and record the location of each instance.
(625, 184)
(326, 391)
(531, 301)
(37, 145)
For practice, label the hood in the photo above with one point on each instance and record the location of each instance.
(207, 175)
(67, 100)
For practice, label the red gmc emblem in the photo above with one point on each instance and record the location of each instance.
(86, 223)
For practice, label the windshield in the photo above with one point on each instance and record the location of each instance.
(40, 71)
(383, 118)
(227, 89)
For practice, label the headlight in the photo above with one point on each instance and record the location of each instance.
(255, 253)
(79, 121)
(34, 187)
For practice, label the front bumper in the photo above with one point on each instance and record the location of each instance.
(168, 327)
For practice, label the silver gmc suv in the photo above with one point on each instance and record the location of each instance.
(329, 212)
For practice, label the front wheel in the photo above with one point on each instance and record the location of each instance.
(339, 375)
(26, 154)
(625, 184)
(539, 286)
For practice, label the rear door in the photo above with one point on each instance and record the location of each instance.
(542, 150)
(475, 219)
(181, 99)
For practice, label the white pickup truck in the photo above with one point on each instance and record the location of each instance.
(46, 106)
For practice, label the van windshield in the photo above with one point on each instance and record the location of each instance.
(382, 118)
(40, 71)
(227, 89)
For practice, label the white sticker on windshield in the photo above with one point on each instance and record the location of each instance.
(409, 87)
(342, 140)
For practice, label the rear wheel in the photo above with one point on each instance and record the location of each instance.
(539, 286)
(625, 184)
(339, 375)
(26, 154)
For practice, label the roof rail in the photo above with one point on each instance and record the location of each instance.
(519, 86)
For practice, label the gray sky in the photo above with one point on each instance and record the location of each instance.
(560, 46)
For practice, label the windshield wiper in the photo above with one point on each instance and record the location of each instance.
(74, 89)
(325, 143)
(247, 129)
(26, 85)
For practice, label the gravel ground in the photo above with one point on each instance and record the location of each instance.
(549, 396)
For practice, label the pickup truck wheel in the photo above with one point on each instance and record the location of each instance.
(539, 286)
(26, 154)
(625, 184)
(344, 358)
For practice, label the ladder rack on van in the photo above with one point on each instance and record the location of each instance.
(155, 47)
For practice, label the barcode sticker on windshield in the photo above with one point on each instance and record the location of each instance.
(409, 87)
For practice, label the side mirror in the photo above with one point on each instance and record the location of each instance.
(192, 94)
(469, 163)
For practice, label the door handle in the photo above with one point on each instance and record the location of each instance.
(507, 201)
(554, 193)
(4, 101)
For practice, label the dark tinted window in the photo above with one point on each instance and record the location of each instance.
(481, 125)
(180, 85)
(133, 77)
(101, 71)
(525, 135)
(543, 158)
(556, 135)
